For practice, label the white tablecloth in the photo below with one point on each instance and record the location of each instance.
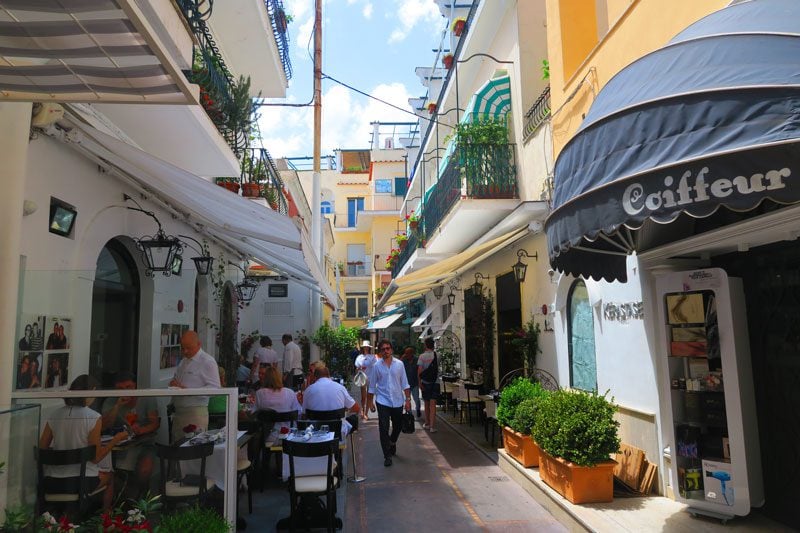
(215, 463)
(308, 466)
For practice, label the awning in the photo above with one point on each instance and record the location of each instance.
(492, 100)
(424, 279)
(708, 121)
(383, 323)
(270, 238)
(434, 305)
(85, 51)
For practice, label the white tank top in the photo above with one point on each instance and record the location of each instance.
(71, 427)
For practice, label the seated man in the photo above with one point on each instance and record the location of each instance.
(141, 415)
(326, 395)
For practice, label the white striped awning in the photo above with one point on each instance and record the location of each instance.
(85, 51)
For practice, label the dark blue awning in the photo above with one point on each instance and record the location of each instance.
(711, 119)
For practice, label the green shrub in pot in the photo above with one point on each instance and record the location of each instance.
(527, 411)
(577, 426)
(512, 395)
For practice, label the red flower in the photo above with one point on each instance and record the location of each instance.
(284, 430)
(191, 428)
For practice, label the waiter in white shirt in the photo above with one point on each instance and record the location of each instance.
(388, 385)
(197, 370)
(292, 362)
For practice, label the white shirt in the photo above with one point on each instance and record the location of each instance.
(280, 401)
(266, 355)
(292, 358)
(71, 427)
(387, 383)
(326, 395)
(197, 372)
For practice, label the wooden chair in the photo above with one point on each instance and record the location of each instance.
(176, 488)
(77, 492)
(315, 485)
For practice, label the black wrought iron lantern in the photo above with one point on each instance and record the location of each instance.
(438, 290)
(159, 251)
(246, 290)
(477, 287)
(202, 262)
(520, 268)
(451, 298)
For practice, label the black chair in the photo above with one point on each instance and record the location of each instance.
(315, 485)
(334, 414)
(470, 401)
(447, 392)
(176, 488)
(68, 492)
(267, 418)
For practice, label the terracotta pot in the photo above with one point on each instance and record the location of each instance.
(250, 190)
(578, 484)
(521, 447)
(431, 108)
(413, 224)
(458, 27)
(402, 245)
(447, 61)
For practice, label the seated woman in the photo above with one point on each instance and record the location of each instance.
(75, 426)
(273, 395)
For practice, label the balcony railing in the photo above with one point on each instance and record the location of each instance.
(537, 114)
(277, 17)
(415, 240)
(226, 101)
(480, 171)
(258, 168)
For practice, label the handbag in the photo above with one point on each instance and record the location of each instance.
(360, 379)
(407, 425)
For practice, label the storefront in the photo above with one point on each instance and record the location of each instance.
(689, 158)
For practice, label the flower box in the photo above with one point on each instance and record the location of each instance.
(521, 447)
(578, 484)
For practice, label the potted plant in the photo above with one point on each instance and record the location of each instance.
(402, 240)
(526, 341)
(577, 434)
(516, 414)
(195, 519)
(413, 220)
(458, 26)
(271, 196)
(431, 108)
(447, 61)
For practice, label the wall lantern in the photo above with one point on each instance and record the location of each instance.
(245, 289)
(438, 290)
(203, 261)
(520, 268)
(477, 287)
(451, 298)
(159, 250)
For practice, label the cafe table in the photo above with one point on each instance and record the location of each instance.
(215, 463)
(307, 466)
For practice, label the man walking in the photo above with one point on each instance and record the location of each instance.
(197, 370)
(292, 363)
(388, 386)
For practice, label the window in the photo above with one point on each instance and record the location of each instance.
(354, 205)
(356, 305)
(582, 363)
(400, 186)
(383, 186)
(326, 207)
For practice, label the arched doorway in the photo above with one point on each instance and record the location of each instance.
(583, 366)
(115, 314)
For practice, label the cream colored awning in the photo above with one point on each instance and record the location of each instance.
(85, 51)
(421, 281)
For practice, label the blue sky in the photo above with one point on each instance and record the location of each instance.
(373, 45)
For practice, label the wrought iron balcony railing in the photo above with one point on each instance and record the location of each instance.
(277, 17)
(226, 101)
(480, 171)
(261, 178)
(415, 240)
(537, 114)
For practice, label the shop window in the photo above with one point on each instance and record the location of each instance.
(582, 362)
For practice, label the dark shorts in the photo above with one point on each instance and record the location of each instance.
(430, 391)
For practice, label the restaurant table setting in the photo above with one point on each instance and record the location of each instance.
(307, 466)
(215, 463)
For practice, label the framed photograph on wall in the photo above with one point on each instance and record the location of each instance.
(57, 373)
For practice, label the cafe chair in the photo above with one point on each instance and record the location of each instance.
(79, 492)
(244, 468)
(176, 488)
(334, 424)
(449, 392)
(311, 486)
(468, 400)
(334, 414)
(489, 420)
(267, 418)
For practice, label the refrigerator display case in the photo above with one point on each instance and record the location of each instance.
(710, 421)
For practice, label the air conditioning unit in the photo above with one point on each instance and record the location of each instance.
(388, 143)
(46, 114)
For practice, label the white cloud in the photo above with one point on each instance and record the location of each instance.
(367, 12)
(412, 12)
(301, 45)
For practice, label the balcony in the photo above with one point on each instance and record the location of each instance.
(260, 179)
(227, 101)
(415, 240)
(537, 114)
